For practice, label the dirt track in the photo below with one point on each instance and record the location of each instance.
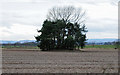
(34, 61)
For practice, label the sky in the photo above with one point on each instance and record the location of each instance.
(20, 19)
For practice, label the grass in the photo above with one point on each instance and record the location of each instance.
(31, 47)
(101, 46)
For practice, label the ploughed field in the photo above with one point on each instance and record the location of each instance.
(35, 61)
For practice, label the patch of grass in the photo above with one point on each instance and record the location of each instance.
(100, 46)
(29, 47)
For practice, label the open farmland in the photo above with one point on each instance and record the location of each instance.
(35, 61)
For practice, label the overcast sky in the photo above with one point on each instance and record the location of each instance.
(20, 19)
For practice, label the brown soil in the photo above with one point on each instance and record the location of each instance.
(36, 61)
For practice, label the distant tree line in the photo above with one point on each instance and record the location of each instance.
(35, 44)
(102, 43)
(18, 44)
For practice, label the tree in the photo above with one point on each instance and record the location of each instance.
(69, 43)
(68, 14)
(47, 34)
(64, 28)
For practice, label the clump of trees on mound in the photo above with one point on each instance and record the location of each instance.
(64, 28)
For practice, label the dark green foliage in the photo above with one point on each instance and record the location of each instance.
(82, 41)
(46, 44)
(69, 43)
(61, 35)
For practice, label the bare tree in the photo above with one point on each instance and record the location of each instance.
(68, 14)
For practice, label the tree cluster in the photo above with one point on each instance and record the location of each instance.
(63, 29)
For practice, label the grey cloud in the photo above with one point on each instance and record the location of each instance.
(103, 25)
(6, 31)
(58, 1)
(18, 37)
(23, 14)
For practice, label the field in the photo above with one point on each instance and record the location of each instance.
(87, 46)
(101, 46)
(22, 60)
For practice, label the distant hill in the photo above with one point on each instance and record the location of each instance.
(25, 41)
(89, 41)
(12, 42)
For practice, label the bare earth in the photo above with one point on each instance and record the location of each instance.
(35, 61)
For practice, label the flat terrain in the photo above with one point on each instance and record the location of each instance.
(35, 61)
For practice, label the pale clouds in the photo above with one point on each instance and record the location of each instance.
(19, 32)
(21, 18)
